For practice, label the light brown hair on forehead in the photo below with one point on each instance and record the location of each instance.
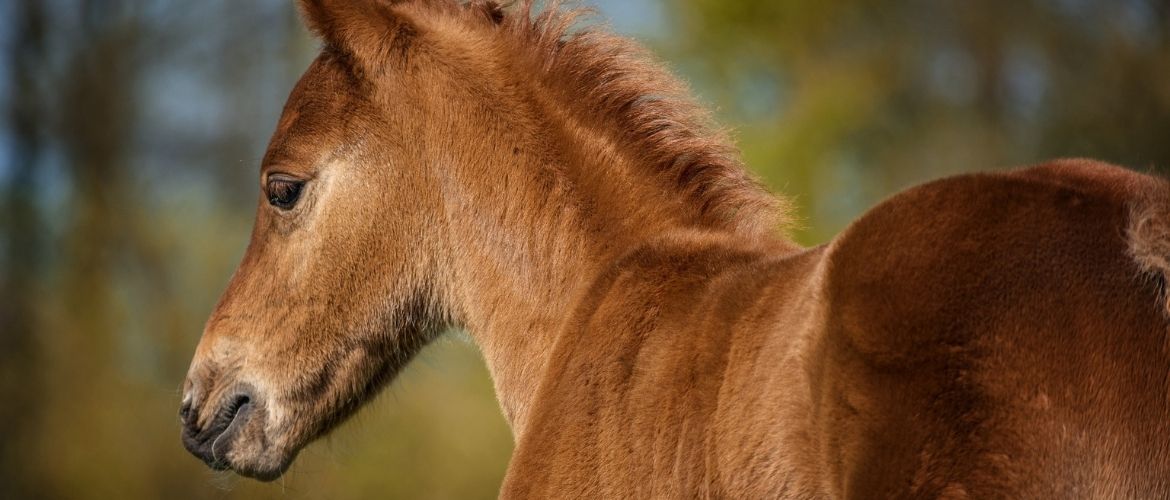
(330, 88)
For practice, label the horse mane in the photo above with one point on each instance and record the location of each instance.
(1149, 238)
(617, 84)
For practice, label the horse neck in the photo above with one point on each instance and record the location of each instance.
(529, 228)
(534, 216)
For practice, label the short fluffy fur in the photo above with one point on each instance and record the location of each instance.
(650, 331)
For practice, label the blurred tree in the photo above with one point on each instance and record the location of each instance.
(21, 250)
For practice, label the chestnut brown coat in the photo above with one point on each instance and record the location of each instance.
(649, 329)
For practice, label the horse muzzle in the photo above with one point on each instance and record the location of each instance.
(210, 430)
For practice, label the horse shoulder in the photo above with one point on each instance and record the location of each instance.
(974, 326)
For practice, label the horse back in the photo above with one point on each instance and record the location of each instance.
(1000, 335)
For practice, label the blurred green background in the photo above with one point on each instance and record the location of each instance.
(131, 131)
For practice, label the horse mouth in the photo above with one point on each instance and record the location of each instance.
(213, 443)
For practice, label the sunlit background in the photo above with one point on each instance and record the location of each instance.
(131, 131)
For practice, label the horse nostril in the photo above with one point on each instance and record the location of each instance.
(212, 423)
(237, 402)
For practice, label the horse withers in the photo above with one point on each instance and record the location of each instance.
(556, 193)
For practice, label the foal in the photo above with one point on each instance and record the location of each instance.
(649, 331)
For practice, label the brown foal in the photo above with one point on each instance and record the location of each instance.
(553, 191)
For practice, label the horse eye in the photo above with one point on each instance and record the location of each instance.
(283, 193)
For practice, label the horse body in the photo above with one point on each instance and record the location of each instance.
(648, 329)
(1001, 345)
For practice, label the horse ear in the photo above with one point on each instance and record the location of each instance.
(366, 29)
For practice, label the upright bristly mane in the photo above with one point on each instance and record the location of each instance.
(616, 85)
(615, 80)
(1149, 239)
